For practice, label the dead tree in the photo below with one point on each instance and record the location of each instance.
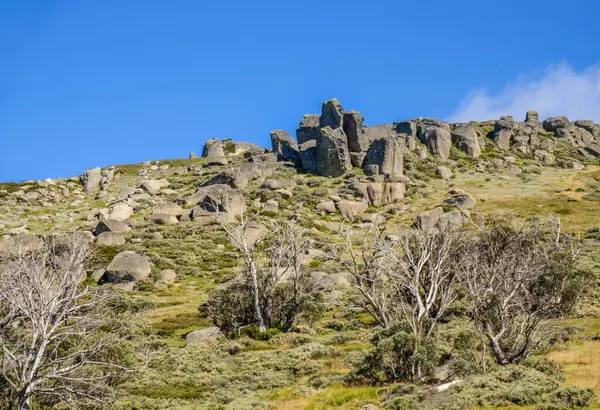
(55, 334)
(271, 256)
(519, 277)
(362, 260)
(421, 270)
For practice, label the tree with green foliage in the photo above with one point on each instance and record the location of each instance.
(519, 276)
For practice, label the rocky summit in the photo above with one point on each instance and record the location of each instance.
(163, 234)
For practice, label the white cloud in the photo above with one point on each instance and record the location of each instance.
(560, 91)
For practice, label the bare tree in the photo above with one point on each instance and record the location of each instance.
(362, 259)
(271, 256)
(518, 277)
(421, 270)
(56, 336)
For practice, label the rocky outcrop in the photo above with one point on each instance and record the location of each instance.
(332, 114)
(229, 202)
(284, 146)
(308, 129)
(384, 158)
(466, 139)
(355, 132)
(435, 134)
(307, 153)
(213, 148)
(332, 155)
(90, 180)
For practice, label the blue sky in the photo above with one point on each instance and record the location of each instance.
(95, 83)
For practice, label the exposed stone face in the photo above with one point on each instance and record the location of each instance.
(349, 210)
(240, 177)
(465, 138)
(284, 146)
(308, 156)
(127, 266)
(332, 153)
(427, 220)
(332, 114)
(110, 239)
(532, 118)
(503, 132)
(121, 212)
(163, 219)
(408, 128)
(354, 130)
(380, 131)
(450, 221)
(554, 123)
(386, 154)
(444, 172)
(90, 180)
(222, 198)
(111, 226)
(153, 186)
(213, 148)
(308, 129)
(210, 334)
(21, 244)
(326, 206)
(436, 136)
(461, 201)
(167, 208)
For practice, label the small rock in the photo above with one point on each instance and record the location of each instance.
(168, 275)
(210, 334)
(444, 172)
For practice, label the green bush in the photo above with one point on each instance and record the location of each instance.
(570, 397)
(396, 356)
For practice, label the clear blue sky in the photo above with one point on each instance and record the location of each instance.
(94, 83)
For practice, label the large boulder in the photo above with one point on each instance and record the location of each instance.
(109, 225)
(127, 266)
(355, 132)
(385, 193)
(284, 146)
(20, 244)
(407, 128)
(121, 212)
(332, 155)
(504, 131)
(554, 123)
(309, 128)
(450, 221)
(332, 114)
(460, 201)
(465, 138)
(427, 220)
(167, 208)
(208, 335)
(327, 207)
(384, 158)
(153, 186)
(349, 210)
(532, 118)
(90, 180)
(219, 198)
(213, 148)
(110, 239)
(436, 136)
(240, 177)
